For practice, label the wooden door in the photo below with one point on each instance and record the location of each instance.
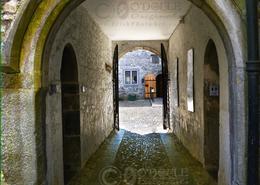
(150, 86)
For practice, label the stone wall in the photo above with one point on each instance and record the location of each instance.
(26, 142)
(140, 61)
(9, 13)
(93, 51)
(189, 126)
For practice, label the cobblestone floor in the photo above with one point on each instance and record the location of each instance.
(131, 158)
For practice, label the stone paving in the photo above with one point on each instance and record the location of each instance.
(142, 116)
(134, 158)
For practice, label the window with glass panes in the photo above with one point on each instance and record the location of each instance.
(131, 77)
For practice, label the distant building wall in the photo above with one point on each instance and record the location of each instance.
(140, 63)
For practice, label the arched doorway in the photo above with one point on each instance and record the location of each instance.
(159, 86)
(211, 110)
(70, 113)
(137, 92)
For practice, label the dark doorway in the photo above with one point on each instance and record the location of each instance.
(159, 86)
(70, 114)
(211, 110)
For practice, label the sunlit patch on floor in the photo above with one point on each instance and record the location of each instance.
(142, 116)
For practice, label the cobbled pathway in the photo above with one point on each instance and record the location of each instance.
(142, 157)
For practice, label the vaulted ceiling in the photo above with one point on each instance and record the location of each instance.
(137, 19)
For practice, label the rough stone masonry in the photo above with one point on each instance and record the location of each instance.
(143, 63)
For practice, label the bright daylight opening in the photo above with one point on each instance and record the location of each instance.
(140, 92)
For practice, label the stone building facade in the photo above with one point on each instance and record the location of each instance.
(133, 67)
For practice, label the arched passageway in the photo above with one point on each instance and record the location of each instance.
(32, 51)
(137, 92)
(211, 109)
(70, 114)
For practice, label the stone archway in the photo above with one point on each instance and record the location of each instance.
(124, 49)
(70, 113)
(211, 110)
(36, 41)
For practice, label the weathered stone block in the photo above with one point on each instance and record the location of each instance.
(10, 7)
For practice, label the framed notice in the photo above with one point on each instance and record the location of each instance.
(190, 80)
